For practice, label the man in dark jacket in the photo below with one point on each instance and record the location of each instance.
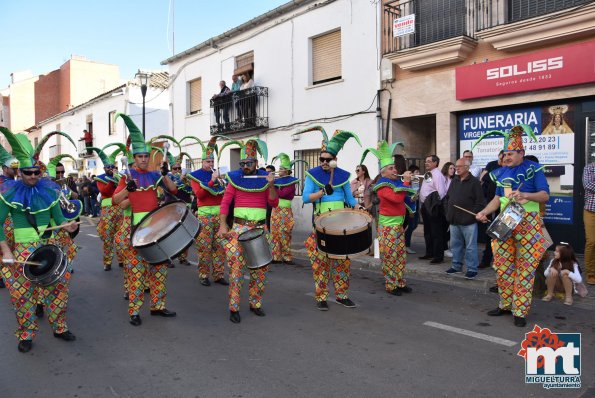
(466, 193)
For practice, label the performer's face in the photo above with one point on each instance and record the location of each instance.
(248, 166)
(325, 160)
(283, 172)
(141, 161)
(513, 158)
(207, 164)
(30, 176)
(389, 172)
(176, 168)
(109, 170)
(8, 171)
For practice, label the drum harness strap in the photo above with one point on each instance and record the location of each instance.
(31, 220)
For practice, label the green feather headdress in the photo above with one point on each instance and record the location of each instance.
(136, 136)
(286, 163)
(336, 143)
(210, 149)
(170, 157)
(51, 167)
(44, 140)
(513, 139)
(120, 150)
(6, 159)
(105, 159)
(180, 159)
(21, 148)
(249, 149)
(384, 153)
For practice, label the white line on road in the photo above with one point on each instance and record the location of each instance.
(481, 336)
(95, 236)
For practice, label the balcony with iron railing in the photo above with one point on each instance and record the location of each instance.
(240, 111)
(82, 151)
(441, 20)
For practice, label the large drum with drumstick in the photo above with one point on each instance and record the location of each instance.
(46, 265)
(343, 233)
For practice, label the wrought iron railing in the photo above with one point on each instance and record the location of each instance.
(437, 20)
(240, 111)
(82, 150)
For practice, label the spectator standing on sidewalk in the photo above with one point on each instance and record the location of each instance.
(448, 171)
(474, 170)
(413, 217)
(465, 192)
(430, 197)
(589, 220)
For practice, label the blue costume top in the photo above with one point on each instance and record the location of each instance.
(146, 181)
(202, 177)
(317, 178)
(106, 179)
(236, 178)
(34, 198)
(529, 173)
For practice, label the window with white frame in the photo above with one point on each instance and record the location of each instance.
(326, 57)
(195, 96)
(112, 122)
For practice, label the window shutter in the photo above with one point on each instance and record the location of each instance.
(195, 96)
(326, 57)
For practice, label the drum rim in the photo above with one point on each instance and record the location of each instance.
(135, 227)
(345, 256)
(52, 275)
(336, 232)
(251, 239)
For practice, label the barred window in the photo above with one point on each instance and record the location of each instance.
(299, 169)
(195, 96)
(326, 57)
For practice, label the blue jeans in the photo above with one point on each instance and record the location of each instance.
(463, 244)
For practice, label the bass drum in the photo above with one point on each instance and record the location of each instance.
(165, 232)
(54, 264)
(344, 233)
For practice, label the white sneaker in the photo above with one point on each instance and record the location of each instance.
(447, 253)
(410, 250)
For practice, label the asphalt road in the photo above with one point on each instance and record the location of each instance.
(386, 347)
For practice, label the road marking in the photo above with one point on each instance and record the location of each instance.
(481, 336)
(95, 236)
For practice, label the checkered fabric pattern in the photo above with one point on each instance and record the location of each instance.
(391, 241)
(111, 218)
(282, 223)
(139, 274)
(211, 256)
(323, 268)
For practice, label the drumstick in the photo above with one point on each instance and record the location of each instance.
(11, 261)
(61, 226)
(465, 210)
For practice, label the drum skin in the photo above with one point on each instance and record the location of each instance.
(256, 249)
(344, 233)
(165, 232)
(55, 264)
(503, 225)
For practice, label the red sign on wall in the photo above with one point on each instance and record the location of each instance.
(558, 67)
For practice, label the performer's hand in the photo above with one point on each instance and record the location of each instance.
(271, 179)
(328, 189)
(70, 226)
(360, 207)
(131, 186)
(164, 169)
(520, 197)
(215, 176)
(481, 217)
(407, 176)
(7, 257)
(223, 230)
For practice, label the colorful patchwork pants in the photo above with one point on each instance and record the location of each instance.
(515, 262)
(122, 241)
(324, 267)
(62, 238)
(237, 267)
(282, 223)
(111, 218)
(392, 255)
(211, 254)
(23, 296)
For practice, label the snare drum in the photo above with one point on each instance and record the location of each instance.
(165, 232)
(343, 233)
(54, 265)
(255, 247)
(503, 225)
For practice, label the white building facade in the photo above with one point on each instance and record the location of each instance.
(97, 116)
(317, 60)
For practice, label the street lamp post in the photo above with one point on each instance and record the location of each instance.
(143, 78)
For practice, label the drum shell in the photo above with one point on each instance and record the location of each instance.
(54, 273)
(256, 250)
(351, 242)
(501, 230)
(178, 239)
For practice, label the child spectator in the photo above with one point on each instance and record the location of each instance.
(562, 273)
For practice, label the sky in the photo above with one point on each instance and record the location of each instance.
(40, 35)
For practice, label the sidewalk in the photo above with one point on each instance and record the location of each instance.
(422, 269)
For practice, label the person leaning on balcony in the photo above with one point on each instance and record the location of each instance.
(248, 103)
(236, 85)
(219, 101)
(88, 137)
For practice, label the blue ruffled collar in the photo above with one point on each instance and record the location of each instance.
(321, 177)
(513, 176)
(107, 179)
(147, 180)
(35, 198)
(236, 178)
(285, 181)
(396, 185)
(203, 177)
(182, 186)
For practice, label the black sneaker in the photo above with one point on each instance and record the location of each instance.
(405, 289)
(499, 312)
(494, 289)
(39, 310)
(322, 305)
(205, 282)
(135, 320)
(520, 322)
(25, 345)
(66, 336)
(452, 271)
(2, 285)
(346, 303)
(235, 317)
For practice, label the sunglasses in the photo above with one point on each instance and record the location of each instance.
(323, 159)
(31, 172)
(59, 172)
(246, 164)
(176, 168)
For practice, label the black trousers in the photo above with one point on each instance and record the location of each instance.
(434, 234)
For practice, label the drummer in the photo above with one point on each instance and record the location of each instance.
(184, 194)
(517, 258)
(250, 197)
(282, 221)
(396, 200)
(142, 193)
(10, 164)
(329, 195)
(208, 187)
(33, 203)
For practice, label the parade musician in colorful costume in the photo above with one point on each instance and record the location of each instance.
(10, 165)
(282, 220)
(517, 258)
(32, 202)
(141, 190)
(396, 200)
(326, 197)
(208, 188)
(250, 197)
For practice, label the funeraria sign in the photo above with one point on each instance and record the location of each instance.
(558, 67)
